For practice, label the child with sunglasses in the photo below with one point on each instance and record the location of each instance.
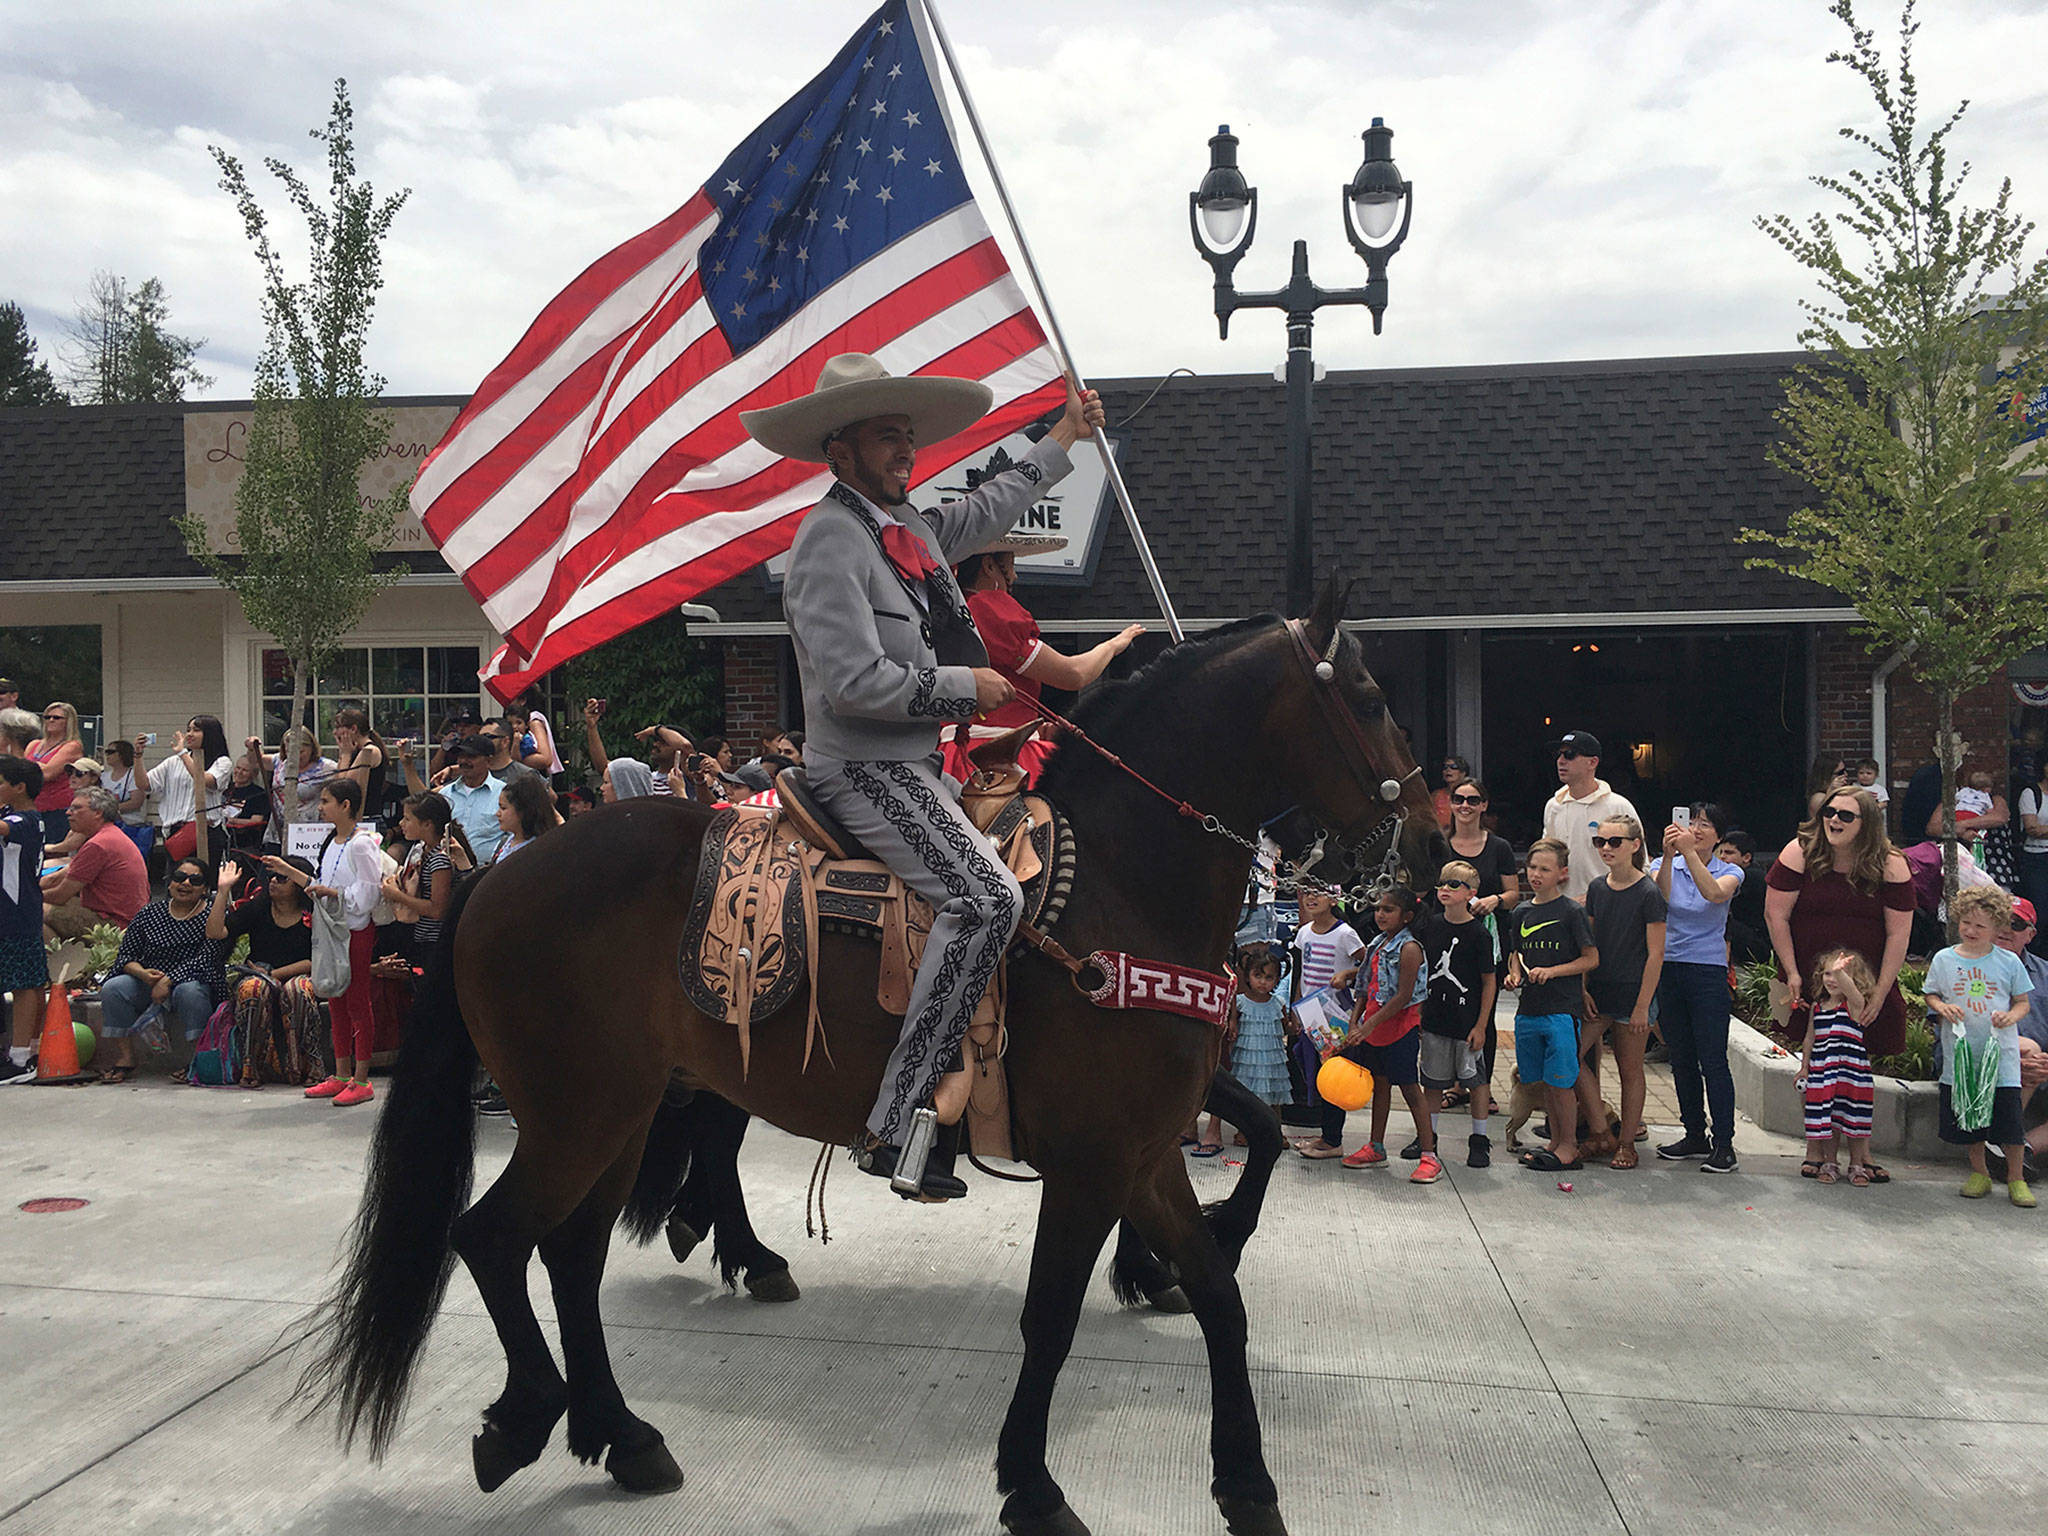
(1457, 1010)
(1627, 912)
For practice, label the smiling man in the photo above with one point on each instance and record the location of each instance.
(888, 653)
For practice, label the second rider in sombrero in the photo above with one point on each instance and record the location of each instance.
(888, 655)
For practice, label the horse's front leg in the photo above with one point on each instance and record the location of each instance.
(1168, 1216)
(1074, 1216)
(1234, 1219)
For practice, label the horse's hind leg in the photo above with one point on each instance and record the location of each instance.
(495, 1238)
(1166, 1213)
(599, 1419)
(1074, 1216)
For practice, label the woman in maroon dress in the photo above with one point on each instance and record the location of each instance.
(1016, 651)
(1840, 884)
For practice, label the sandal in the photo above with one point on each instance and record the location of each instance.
(182, 1075)
(1877, 1174)
(1859, 1176)
(1830, 1173)
(1209, 1149)
(1624, 1159)
(1809, 1170)
(1549, 1162)
(115, 1076)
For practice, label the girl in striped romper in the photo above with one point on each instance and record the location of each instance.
(1835, 1068)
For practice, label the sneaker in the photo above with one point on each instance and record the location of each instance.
(355, 1093)
(328, 1089)
(1686, 1146)
(1371, 1155)
(1412, 1151)
(1720, 1160)
(12, 1071)
(494, 1105)
(1427, 1171)
(1976, 1186)
(1478, 1150)
(2022, 1196)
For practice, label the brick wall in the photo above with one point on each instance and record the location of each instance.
(1842, 669)
(753, 690)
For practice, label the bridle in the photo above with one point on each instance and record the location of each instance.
(1320, 673)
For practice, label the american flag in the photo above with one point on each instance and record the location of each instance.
(599, 476)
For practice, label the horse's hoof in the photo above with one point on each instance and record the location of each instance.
(1245, 1518)
(683, 1239)
(773, 1287)
(1173, 1299)
(1056, 1522)
(649, 1469)
(496, 1458)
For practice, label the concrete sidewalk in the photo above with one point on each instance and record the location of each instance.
(1659, 1351)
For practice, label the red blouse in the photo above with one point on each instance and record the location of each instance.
(1831, 913)
(1011, 635)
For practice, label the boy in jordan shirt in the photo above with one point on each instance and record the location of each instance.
(1550, 946)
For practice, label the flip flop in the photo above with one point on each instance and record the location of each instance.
(1209, 1149)
(1547, 1161)
(114, 1076)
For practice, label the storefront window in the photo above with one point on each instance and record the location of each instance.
(405, 688)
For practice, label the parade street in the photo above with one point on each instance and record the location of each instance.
(1655, 1351)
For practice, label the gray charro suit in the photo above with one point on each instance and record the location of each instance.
(886, 662)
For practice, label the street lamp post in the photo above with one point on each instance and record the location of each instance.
(1223, 215)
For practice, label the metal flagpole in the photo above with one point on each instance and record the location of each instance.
(1059, 340)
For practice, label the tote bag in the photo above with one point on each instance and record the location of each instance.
(330, 948)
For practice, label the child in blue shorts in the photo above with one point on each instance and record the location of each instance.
(1550, 944)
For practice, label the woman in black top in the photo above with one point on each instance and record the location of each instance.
(1500, 885)
(274, 1004)
(248, 808)
(360, 755)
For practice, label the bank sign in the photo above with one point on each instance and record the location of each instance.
(1077, 510)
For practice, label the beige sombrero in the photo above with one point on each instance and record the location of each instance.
(1015, 543)
(853, 387)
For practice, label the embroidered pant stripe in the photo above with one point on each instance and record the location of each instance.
(908, 819)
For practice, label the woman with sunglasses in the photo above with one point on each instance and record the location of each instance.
(1500, 885)
(1840, 884)
(60, 747)
(166, 961)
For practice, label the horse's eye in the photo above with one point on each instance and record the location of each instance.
(1375, 705)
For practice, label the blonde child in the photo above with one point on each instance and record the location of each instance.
(1629, 914)
(1550, 945)
(1834, 1069)
(1979, 993)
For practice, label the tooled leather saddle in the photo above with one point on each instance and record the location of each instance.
(771, 881)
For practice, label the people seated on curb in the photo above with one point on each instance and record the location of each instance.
(106, 880)
(248, 808)
(24, 963)
(274, 1002)
(166, 962)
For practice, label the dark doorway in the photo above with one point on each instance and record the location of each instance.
(1681, 715)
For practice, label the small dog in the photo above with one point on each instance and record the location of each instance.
(1525, 1101)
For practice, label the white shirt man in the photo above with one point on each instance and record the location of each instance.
(1581, 803)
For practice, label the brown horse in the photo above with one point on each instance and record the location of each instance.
(1242, 723)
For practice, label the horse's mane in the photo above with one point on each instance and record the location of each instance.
(1106, 706)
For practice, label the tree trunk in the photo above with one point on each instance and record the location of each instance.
(1946, 749)
(294, 734)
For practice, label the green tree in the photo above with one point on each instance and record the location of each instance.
(120, 350)
(1928, 343)
(309, 538)
(23, 380)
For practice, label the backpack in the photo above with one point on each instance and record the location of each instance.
(217, 1057)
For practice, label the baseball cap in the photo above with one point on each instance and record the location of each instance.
(2023, 913)
(472, 746)
(9, 685)
(1585, 743)
(88, 765)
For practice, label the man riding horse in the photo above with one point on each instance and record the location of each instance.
(888, 655)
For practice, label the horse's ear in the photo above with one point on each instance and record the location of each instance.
(1328, 611)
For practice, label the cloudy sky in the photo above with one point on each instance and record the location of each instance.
(1586, 173)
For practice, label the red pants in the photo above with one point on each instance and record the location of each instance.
(355, 1024)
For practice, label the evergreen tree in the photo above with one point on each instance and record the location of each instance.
(23, 380)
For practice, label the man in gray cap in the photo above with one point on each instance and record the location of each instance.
(888, 654)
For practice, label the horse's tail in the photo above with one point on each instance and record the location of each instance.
(422, 1160)
(663, 1167)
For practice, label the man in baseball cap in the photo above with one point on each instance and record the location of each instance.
(888, 653)
(1583, 800)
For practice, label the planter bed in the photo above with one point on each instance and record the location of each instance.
(1904, 1119)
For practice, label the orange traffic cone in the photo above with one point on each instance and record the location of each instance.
(57, 1055)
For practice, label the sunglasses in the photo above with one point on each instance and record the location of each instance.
(1454, 885)
(1611, 842)
(1840, 813)
(1468, 799)
(182, 878)
(1567, 756)
(53, 717)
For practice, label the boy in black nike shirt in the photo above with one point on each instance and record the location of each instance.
(1550, 944)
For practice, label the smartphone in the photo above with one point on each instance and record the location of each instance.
(149, 738)
(602, 706)
(1681, 816)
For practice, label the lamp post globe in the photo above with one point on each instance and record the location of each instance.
(1377, 192)
(1223, 201)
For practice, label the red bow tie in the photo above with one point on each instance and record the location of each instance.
(907, 552)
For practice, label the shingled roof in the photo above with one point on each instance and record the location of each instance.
(1612, 487)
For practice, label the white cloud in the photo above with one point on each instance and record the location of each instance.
(1587, 174)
